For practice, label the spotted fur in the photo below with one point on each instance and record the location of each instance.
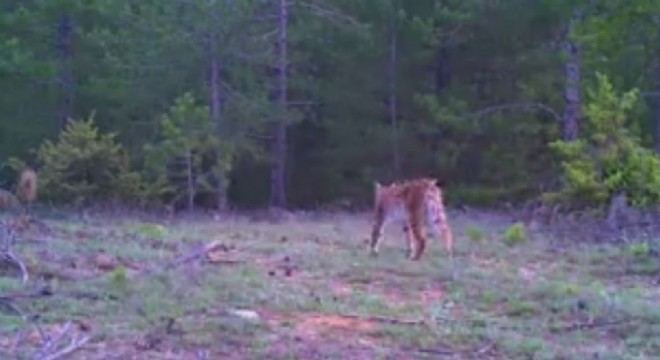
(413, 202)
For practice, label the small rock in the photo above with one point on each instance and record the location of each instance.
(104, 262)
(245, 314)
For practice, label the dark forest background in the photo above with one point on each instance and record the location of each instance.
(305, 103)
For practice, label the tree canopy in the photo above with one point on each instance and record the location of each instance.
(302, 103)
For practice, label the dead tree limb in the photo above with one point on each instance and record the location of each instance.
(383, 319)
(524, 106)
(6, 254)
(588, 325)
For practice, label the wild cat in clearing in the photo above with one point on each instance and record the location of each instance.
(25, 192)
(412, 202)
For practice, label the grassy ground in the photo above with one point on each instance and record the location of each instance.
(307, 289)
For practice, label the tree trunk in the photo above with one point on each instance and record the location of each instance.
(441, 69)
(656, 109)
(392, 102)
(64, 45)
(572, 104)
(277, 180)
(189, 176)
(216, 115)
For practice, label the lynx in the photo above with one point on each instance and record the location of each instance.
(412, 201)
(26, 190)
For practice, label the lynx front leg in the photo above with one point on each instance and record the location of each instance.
(410, 240)
(376, 233)
(445, 231)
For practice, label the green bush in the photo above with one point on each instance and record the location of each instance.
(190, 156)
(606, 158)
(514, 234)
(475, 233)
(84, 166)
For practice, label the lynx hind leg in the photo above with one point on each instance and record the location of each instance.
(418, 243)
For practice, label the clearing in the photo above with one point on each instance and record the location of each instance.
(140, 287)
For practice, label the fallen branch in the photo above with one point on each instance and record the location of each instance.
(74, 345)
(195, 254)
(6, 302)
(383, 319)
(453, 352)
(26, 319)
(9, 257)
(49, 343)
(588, 325)
(437, 352)
(48, 349)
(525, 106)
(6, 253)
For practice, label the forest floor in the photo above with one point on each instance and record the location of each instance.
(139, 287)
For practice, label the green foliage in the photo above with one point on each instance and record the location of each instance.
(638, 250)
(475, 233)
(514, 234)
(85, 166)
(156, 231)
(118, 276)
(117, 282)
(190, 156)
(607, 158)
(478, 94)
(520, 307)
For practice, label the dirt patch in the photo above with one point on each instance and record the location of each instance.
(318, 325)
(395, 291)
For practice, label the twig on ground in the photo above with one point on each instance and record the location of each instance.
(6, 253)
(6, 302)
(26, 319)
(46, 351)
(35, 322)
(42, 292)
(74, 345)
(49, 348)
(17, 340)
(452, 352)
(9, 257)
(446, 352)
(194, 254)
(588, 325)
(50, 342)
(383, 319)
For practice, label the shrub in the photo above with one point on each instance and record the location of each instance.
(514, 234)
(190, 156)
(84, 166)
(474, 233)
(606, 159)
